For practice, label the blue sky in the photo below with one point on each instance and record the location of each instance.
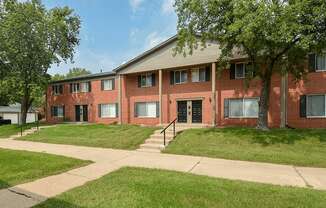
(113, 31)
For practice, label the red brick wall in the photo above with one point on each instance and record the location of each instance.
(315, 83)
(92, 99)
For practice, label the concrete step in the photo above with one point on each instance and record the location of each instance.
(157, 141)
(149, 150)
(152, 146)
(161, 136)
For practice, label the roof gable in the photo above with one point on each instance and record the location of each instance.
(162, 57)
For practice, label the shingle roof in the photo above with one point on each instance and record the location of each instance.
(84, 77)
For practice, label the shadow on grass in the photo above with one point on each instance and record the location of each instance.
(4, 184)
(266, 138)
(56, 203)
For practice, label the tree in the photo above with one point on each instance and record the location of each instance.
(275, 35)
(74, 72)
(33, 38)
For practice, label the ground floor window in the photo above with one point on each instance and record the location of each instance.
(316, 106)
(147, 109)
(108, 110)
(57, 111)
(242, 108)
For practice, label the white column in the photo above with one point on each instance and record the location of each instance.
(284, 89)
(160, 90)
(213, 94)
(120, 98)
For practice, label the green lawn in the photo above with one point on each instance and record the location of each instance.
(9, 130)
(305, 147)
(18, 167)
(95, 135)
(137, 187)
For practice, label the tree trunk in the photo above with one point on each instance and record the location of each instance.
(24, 109)
(262, 123)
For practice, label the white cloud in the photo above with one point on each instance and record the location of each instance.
(167, 6)
(153, 39)
(135, 4)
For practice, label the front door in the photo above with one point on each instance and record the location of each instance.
(190, 111)
(196, 111)
(182, 112)
(81, 113)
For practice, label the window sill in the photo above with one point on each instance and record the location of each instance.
(243, 117)
(144, 117)
(108, 117)
(318, 117)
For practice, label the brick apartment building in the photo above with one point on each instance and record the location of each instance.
(157, 87)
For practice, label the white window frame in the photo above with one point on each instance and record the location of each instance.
(316, 55)
(56, 90)
(198, 71)
(108, 80)
(180, 72)
(146, 103)
(307, 106)
(84, 84)
(115, 108)
(243, 107)
(74, 87)
(59, 106)
(244, 70)
(146, 76)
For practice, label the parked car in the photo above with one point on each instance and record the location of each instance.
(4, 121)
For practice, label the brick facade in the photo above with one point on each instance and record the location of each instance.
(225, 88)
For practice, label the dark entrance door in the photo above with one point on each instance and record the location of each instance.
(81, 113)
(77, 112)
(182, 111)
(85, 113)
(196, 111)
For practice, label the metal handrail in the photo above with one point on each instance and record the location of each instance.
(164, 130)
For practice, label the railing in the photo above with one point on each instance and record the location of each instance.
(164, 130)
(22, 127)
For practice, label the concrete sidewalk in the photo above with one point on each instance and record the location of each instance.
(108, 160)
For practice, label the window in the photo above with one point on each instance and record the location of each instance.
(243, 108)
(84, 87)
(80, 87)
(198, 75)
(108, 110)
(146, 80)
(321, 62)
(57, 89)
(149, 110)
(57, 111)
(108, 84)
(240, 71)
(316, 106)
(180, 77)
(74, 87)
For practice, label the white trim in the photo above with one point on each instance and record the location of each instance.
(243, 107)
(180, 71)
(244, 70)
(307, 105)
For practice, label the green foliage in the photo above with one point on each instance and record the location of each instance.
(74, 72)
(276, 36)
(140, 187)
(33, 38)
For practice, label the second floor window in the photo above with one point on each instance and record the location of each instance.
(200, 74)
(178, 77)
(80, 87)
(146, 80)
(107, 84)
(321, 62)
(240, 71)
(57, 89)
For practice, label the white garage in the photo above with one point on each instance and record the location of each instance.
(12, 113)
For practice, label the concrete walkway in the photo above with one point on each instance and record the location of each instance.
(108, 160)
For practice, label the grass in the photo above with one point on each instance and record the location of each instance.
(95, 135)
(138, 187)
(302, 147)
(8, 130)
(20, 166)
